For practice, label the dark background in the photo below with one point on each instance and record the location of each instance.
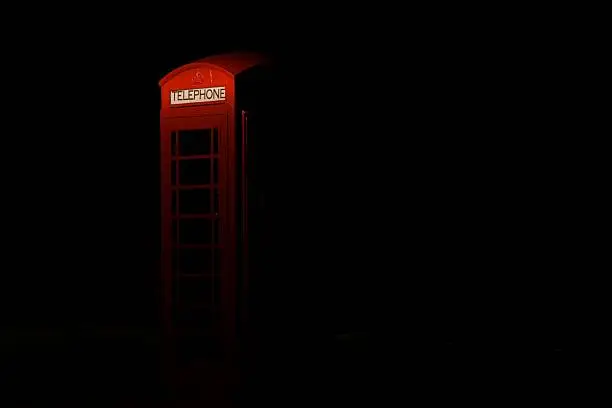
(438, 223)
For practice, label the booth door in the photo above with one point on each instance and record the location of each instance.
(197, 218)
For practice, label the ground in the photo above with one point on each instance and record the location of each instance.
(125, 368)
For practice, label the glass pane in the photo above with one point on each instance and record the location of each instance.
(216, 201)
(195, 231)
(194, 261)
(195, 141)
(196, 171)
(216, 287)
(175, 260)
(173, 202)
(195, 201)
(216, 232)
(194, 317)
(173, 143)
(215, 141)
(196, 291)
(173, 172)
(215, 171)
(217, 261)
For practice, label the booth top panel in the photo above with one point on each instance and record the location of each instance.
(233, 64)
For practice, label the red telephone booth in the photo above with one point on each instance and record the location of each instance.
(204, 119)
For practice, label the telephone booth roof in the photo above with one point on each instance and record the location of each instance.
(232, 63)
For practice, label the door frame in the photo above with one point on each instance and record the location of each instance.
(226, 219)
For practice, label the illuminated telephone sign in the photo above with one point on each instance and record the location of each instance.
(199, 95)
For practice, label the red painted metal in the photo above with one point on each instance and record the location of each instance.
(215, 71)
(245, 213)
(232, 64)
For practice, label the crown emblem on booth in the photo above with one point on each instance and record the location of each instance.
(197, 78)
